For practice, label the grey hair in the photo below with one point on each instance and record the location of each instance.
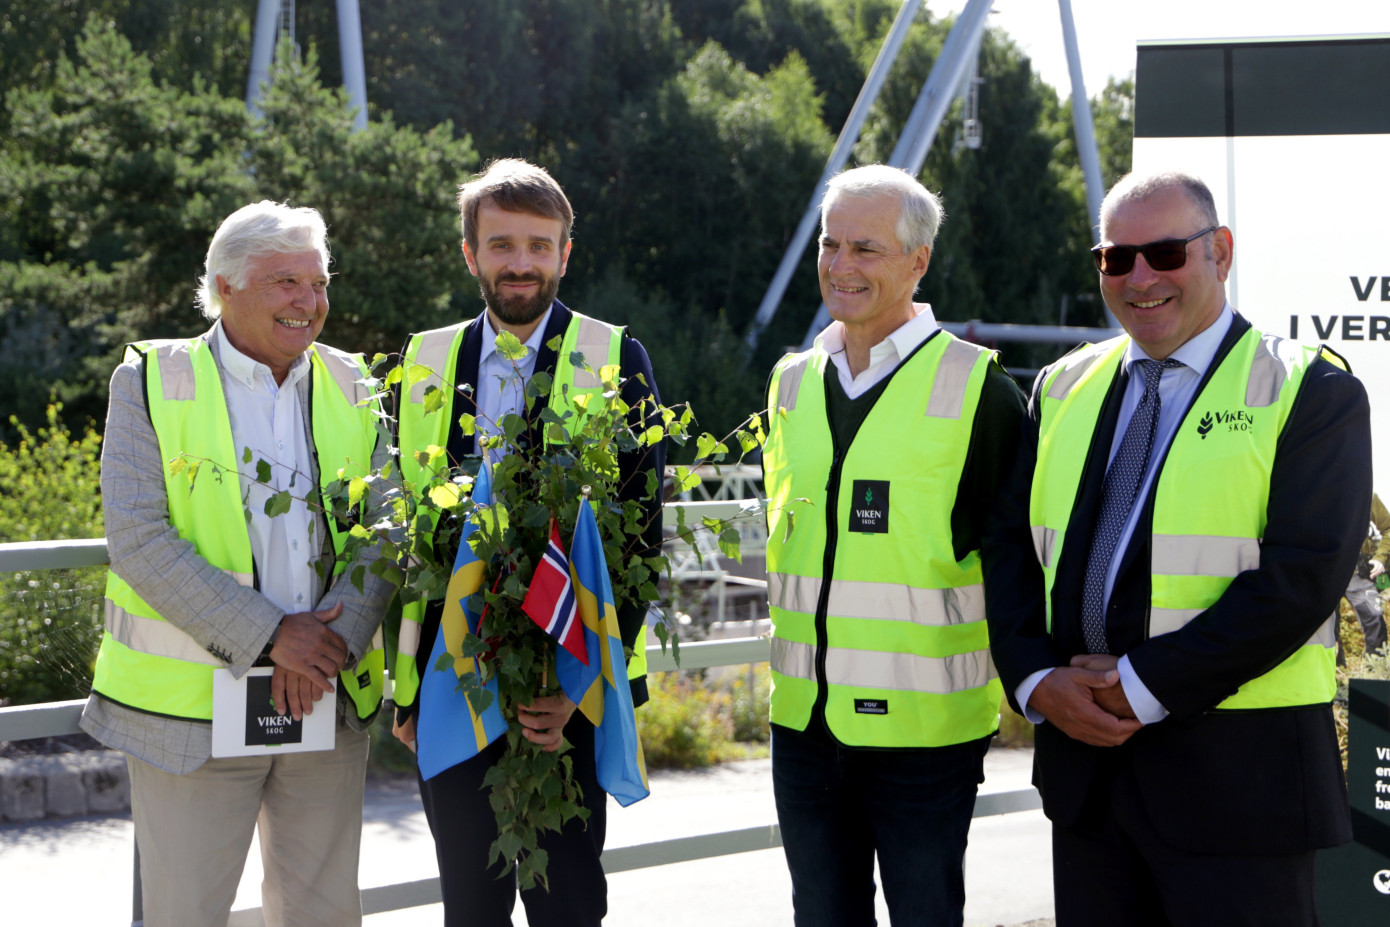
(252, 232)
(1132, 188)
(920, 213)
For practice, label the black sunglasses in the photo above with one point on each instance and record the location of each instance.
(1169, 254)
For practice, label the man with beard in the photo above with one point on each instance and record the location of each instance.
(516, 240)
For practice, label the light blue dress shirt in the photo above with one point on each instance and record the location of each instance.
(502, 383)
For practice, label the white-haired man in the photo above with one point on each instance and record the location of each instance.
(204, 580)
(888, 442)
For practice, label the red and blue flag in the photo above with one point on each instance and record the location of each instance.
(550, 600)
(599, 686)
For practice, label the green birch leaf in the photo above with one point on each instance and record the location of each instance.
(278, 504)
(434, 399)
(510, 346)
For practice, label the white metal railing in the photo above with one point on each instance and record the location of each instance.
(25, 722)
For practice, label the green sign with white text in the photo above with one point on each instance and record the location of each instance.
(1354, 880)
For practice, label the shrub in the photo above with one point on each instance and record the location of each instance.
(749, 695)
(685, 725)
(50, 620)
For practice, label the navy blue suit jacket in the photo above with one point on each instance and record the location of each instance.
(1246, 782)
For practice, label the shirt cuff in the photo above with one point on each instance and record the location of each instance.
(1025, 691)
(1147, 709)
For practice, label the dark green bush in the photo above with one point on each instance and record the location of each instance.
(50, 620)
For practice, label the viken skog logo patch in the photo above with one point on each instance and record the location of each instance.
(1227, 421)
(868, 508)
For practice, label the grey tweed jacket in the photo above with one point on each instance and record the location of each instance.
(224, 617)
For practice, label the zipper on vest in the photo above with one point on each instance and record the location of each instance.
(832, 494)
(832, 499)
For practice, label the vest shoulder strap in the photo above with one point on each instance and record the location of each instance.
(1072, 367)
(347, 371)
(431, 349)
(952, 379)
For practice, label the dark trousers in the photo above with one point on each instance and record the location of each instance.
(464, 826)
(1114, 869)
(1365, 601)
(838, 806)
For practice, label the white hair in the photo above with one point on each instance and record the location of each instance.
(919, 215)
(254, 231)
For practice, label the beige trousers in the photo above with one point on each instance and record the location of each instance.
(193, 832)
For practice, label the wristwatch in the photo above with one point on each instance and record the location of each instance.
(264, 658)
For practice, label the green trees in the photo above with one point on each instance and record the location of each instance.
(688, 133)
(113, 183)
(387, 194)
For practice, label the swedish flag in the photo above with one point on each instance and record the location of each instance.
(600, 689)
(449, 731)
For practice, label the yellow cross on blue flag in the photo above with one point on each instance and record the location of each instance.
(600, 689)
(449, 731)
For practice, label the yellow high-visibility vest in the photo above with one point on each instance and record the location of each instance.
(1212, 493)
(881, 623)
(144, 661)
(438, 351)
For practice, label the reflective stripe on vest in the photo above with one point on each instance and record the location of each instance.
(898, 623)
(873, 670)
(879, 601)
(1210, 498)
(417, 430)
(147, 663)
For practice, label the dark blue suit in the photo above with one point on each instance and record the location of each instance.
(1232, 792)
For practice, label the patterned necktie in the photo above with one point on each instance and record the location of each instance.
(1117, 500)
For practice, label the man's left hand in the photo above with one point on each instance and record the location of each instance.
(293, 693)
(543, 721)
(1377, 568)
(1113, 699)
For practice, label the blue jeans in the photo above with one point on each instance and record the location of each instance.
(839, 805)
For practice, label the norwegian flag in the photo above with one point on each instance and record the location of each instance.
(550, 600)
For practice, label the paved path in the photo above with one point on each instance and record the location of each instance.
(78, 871)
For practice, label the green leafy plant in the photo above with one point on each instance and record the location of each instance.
(686, 725)
(531, 790)
(418, 533)
(51, 622)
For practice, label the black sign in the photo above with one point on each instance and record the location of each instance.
(871, 706)
(868, 507)
(1354, 880)
(264, 725)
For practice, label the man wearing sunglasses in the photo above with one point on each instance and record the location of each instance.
(1163, 587)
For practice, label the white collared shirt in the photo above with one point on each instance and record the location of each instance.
(885, 356)
(267, 418)
(502, 383)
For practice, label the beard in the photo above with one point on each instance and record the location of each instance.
(519, 310)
